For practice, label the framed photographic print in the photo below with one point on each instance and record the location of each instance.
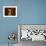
(33, 32)
(9, 11)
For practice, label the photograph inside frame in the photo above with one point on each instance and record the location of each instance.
(32, 32)
(10, 11)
